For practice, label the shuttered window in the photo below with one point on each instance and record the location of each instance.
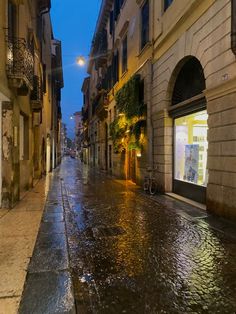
(124, 54)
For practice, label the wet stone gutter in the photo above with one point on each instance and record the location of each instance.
(48, 286)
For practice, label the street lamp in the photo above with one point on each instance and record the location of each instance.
(80, 61)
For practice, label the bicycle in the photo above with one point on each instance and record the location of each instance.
(150, 183)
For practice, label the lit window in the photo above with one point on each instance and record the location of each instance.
(191, 148)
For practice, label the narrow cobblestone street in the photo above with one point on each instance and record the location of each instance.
(129, 253)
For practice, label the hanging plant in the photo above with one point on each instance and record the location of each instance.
(128, 99)
(127, 130)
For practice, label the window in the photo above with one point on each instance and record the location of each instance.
(144, 24)
(115, 68)
(191, 148)
(124, 55)
(167, 3)
(111, 22)
(11, 20)
(117, 6)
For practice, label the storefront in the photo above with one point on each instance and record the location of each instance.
(189, 114)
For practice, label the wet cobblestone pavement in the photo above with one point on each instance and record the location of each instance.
(129, 254)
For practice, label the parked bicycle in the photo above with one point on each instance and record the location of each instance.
(150, 183)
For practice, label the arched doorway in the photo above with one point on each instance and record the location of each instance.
(188, 109)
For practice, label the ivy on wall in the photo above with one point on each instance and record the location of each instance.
(127, 130)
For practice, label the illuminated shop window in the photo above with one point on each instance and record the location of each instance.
(191, 148)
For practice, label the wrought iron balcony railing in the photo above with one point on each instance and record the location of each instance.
(36, 95)
(20, 62)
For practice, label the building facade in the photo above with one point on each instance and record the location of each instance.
(183, 55)
(27, 96)
(78, 132)
(193, 101)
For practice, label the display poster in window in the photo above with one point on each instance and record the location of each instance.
(191, 163)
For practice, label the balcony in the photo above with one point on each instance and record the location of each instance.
(101, 105)
(36, 96)
(85, 115)
(20, 65)
(100, 53)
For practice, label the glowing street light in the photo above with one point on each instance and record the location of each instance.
(80, 61)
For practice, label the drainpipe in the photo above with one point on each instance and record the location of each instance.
(151, 82)
(0, 153)
(233, 26)
(151, 145)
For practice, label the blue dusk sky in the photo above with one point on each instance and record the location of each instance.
(74, 23)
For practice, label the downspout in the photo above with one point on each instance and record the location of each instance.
(0, 153)
(151, 98)
(151, 145)
(233, 26)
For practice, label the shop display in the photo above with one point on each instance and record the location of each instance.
(191, 148)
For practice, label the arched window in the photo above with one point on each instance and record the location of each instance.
(190, 81)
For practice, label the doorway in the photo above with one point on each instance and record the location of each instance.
(188, 109)
(132, 165)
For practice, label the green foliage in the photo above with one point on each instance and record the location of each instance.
(128, 99)
(136, 129)
(127, 129)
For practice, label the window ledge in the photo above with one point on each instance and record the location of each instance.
(124, 74)
(148, 45)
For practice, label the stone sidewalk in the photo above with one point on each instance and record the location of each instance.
(18, 231)
(48, 285)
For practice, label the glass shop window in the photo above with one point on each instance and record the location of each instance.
(191, 148)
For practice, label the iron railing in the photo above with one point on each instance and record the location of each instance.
(20, 60)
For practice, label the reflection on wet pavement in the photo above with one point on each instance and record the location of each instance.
(129, 254)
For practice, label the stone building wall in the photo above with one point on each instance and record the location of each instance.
(205, 34)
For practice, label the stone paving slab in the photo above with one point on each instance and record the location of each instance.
(52, 227)
(3, 212)
(14, 258)
(48, 259)
(9, 305)
(54, 209)
(53, 217)
(20, 223)
(48, 293)
(51, 241)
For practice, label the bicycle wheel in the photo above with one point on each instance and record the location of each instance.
(146, 186)
(153, 187)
